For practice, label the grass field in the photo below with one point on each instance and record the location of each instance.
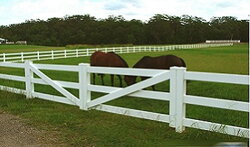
(26, 48)
(95, 128)
(30, 48)
(82, 46)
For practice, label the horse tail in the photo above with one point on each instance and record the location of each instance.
(183, 63)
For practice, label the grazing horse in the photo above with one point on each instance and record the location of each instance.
(160, 62)
(109, 59)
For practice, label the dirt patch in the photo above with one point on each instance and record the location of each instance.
(14, 132)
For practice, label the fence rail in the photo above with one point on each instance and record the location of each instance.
(177, 95)
(222, 41)
(58, 54)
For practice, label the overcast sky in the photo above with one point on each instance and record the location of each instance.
(16, 11)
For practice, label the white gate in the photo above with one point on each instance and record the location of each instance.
(160, 77)
(136, 90)
(30, 70)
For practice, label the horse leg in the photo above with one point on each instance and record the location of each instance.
(102, 75)
(93, 78)
(112, 80)
(153, 87)
(120, 78)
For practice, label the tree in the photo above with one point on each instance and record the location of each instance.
(159, 29)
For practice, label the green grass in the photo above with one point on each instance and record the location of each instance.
(83, 46)
(30, 48)
(26, 48)
(95, 128)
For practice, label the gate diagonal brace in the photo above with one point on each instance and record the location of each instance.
(163, 76)
(54, 84)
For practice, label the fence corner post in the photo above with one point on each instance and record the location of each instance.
(177, 90)
(84, 82)
(29, 86)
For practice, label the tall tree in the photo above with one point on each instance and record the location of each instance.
(159, 29)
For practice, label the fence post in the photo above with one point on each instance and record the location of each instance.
(38, 55)
(177, 105)
(180, 105)
(77, 53)
(65, 53)
(52, 54)
(87, 52)
(172, 92)
(4, 57)
(22, 57)
(28, 76)
(84, 81)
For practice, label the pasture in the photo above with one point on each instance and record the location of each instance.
(103, 129)
(26, 48)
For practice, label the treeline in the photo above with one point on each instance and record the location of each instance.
(159, 29)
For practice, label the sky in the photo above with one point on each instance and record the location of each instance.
(17, 11)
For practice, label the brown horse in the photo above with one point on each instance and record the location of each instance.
(109, 59)
(160, 62)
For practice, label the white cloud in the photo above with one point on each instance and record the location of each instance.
(17, 11)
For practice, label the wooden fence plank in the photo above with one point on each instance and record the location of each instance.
(216, 127)
(217, 103)
(53, 98)
(134, 113)
(216, 77)
(12, 77)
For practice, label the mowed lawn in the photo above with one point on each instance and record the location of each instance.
(26, 48)
(95, 128)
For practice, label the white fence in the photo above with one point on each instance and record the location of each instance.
(177, 96)
(45, 55)
(222, 41)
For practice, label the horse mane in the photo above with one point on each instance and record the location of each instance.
(120, 58)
